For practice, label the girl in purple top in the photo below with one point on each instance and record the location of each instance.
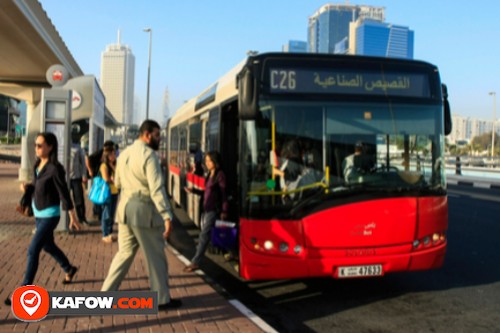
(214, 204)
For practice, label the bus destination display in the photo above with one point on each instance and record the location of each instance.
(314, 81)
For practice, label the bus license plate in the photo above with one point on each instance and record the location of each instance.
(359, 271)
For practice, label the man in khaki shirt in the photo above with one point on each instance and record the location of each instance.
(143, 214)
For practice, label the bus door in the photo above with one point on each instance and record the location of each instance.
(229, 153)
(183, 163)
(194, 174)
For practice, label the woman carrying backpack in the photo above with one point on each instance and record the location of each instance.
(214, 205)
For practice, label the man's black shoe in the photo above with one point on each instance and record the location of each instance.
(173, 304)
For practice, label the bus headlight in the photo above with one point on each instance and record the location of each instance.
(268, 245)
(435, 238)
(283, 247)
(276, 246)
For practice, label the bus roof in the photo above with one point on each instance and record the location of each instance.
(346, 57)
(225, 88)
(222, 90)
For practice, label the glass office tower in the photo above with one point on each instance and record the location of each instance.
(330, 24)
(295, 46)
(384, 40)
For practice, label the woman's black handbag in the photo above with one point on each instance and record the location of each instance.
(24, 205)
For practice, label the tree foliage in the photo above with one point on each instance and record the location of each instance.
(483, 142)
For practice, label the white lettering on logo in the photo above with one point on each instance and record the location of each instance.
(105, 302)
(369, 229)
(75, 302)
(56, 302)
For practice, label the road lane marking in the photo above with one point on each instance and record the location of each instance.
(234, 302)
(252, 316)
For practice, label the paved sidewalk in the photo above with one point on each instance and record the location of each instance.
(203, 310)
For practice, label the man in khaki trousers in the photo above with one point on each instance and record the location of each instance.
(143, 214)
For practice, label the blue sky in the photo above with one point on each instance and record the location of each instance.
(196, 42)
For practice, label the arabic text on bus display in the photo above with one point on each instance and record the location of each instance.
(347, 82)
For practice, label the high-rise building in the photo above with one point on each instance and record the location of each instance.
(466, 128)
(374, 38)
(295, 46)
(117, 81)
(330, 24)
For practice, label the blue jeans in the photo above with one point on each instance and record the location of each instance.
(44, 239)
(207, 223)
(108, 215)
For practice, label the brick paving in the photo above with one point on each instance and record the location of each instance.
(203, 310)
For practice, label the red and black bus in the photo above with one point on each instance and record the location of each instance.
(334, 163)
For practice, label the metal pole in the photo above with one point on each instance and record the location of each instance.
(494, 94)
(149, 69)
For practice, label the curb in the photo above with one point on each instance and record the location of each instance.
(477, 184)
(234, 302)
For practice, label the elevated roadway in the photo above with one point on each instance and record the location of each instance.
(30, 44)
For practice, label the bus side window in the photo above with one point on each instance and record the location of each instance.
(212, 132)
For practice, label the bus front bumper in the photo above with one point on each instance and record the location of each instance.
(262, 266)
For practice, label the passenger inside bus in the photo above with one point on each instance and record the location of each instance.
(290, 165)
(311, 155)
(261, 171)
(357, 164)
(292, 171)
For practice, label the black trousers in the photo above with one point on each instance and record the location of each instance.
(78, 198)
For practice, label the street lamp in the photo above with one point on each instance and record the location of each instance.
(494, 94)
(149, 69)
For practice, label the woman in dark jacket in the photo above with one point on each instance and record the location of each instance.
(214, 204)
(50, 188)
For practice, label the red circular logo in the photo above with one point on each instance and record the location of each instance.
(57, 75)
(30, 303)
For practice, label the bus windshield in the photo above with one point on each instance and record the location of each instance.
(295, 151)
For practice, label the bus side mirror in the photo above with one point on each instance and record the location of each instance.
(447, 112)
(247, 95)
